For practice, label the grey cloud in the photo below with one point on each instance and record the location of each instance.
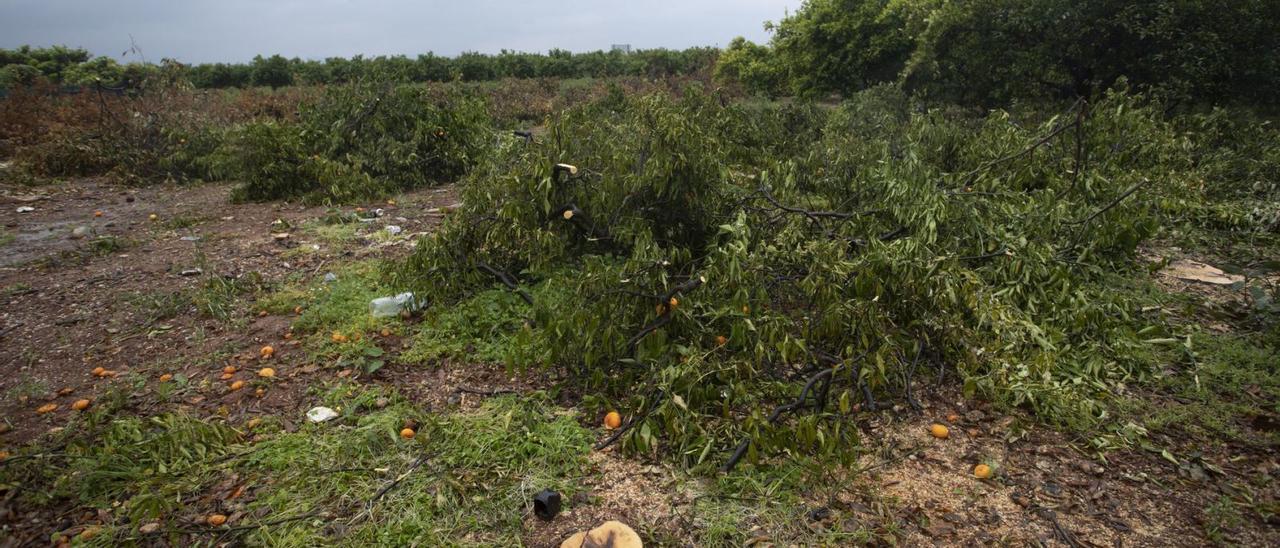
(236, 30)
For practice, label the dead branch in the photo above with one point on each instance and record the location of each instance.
(506, 280)
(1108, 207)
(801, 402)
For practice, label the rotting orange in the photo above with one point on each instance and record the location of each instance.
(612, 420)
(982, 471)
(80, 405)
(216, 519)
(939, 431)
(230, 369)
(237, 385)
(262, 313)
(385, 332)
(297, 310)
(408, 433)
(98, 371)
(952, 418)
(227, 376)
(260, 392)
(47, 408)
(338, 337)
(267, 352)
(721, 340)
(266, 372)
(166, 377)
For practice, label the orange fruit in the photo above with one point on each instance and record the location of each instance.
(226, 376)
(47, 408)
(260, 392)
(953, 417)
(166, 377)
(721, 340)
(237, 385)
(216, 519)
(97, 214)
(407, 433)
(266, 372)
(338, 337)
(99, 371)
(297, 310)
(89, 532)
(939, 431)
(982, 471)
(612, 420)
(80, 405)
(153, 216)
(673, 303)
(385, 332)
(229, 369)
(4, 455)
(262, 313)
(267, 352)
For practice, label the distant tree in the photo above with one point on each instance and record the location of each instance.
(753, 66)
(99, 70)
(842, 46)
(15, 75)
(991, 52)
(272, 71)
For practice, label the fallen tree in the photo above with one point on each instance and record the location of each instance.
(833, 257)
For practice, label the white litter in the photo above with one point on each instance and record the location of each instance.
(26, 209)
(394, 229)
(321, 414)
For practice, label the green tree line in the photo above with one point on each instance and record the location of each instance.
(77, 67)
(993, 52)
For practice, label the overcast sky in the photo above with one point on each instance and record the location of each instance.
(196, 31)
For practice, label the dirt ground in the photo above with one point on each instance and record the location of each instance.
(69, 302)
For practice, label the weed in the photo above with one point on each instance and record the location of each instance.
(217, 295)
(179, 222)
(1221, 519)
(159, 306)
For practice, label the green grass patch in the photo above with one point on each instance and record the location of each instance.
(478, 329)
(1214, 388)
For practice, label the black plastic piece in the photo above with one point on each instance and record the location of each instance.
(546, 504)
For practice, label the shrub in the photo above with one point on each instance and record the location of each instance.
(359, 141)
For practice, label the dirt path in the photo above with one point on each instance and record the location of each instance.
(115, 297)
